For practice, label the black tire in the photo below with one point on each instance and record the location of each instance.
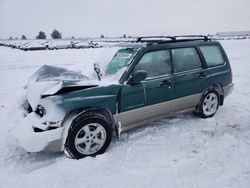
(78, 124)
(209, 104)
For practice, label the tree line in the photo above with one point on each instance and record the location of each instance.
(41, 35)
(58, 35)
(55, 35)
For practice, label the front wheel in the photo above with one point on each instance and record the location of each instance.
(209, 104)
(89, 135)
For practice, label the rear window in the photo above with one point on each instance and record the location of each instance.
(212, 55)
(185, 59)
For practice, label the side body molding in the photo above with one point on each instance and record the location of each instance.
(134, 118)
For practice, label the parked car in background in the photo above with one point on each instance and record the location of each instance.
(81, 44)
(18, 44)
(34, 45)
(151, 78)
(62, 44)
(95, 44)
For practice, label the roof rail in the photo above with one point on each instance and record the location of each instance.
(192, 37)
(177, 38)
(139, 39)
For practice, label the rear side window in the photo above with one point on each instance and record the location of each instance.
(185, 59)
(212, 55)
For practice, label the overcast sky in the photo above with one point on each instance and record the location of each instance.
(91, 18)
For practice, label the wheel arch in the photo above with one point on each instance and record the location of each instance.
(101, 110)
(75, 114)
(218, 87)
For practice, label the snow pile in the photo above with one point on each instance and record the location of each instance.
(26, 136)
(182, 151)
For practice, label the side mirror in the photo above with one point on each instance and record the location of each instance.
(138, 77)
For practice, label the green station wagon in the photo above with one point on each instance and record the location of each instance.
(151, 78)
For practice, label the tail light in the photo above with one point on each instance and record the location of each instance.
(231, 75)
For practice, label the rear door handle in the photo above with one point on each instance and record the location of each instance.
(166, 83)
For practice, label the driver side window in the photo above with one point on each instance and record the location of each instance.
(155, 63)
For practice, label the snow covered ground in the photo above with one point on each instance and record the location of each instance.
(182, 151)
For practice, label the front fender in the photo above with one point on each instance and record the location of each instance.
(91, 98)
(108, 101)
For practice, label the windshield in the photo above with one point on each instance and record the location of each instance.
(120, 60)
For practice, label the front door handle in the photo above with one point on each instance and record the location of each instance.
(166, 83)
(202, 75)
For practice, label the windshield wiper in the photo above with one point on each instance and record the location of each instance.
(98, 71)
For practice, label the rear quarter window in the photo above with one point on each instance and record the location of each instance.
(212, 55)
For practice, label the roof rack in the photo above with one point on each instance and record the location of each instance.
(139, 39)
(192, 37)
(178, 38)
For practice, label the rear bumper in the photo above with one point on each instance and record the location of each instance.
(228, 89)
(31, 141)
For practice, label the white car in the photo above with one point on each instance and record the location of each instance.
(33, 46)
(81, 45)
(18, 43)
(60, 45)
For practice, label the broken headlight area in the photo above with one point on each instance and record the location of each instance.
(40, 110)
(46, 126)
(28, 109)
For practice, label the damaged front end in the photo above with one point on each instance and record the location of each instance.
(41, 128)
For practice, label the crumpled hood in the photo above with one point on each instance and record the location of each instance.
(52, 73)
(51, 80)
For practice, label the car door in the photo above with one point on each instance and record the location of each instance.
(147, 99)
(189, 75)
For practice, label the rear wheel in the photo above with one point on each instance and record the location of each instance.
(209, 104)
(88, 135)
